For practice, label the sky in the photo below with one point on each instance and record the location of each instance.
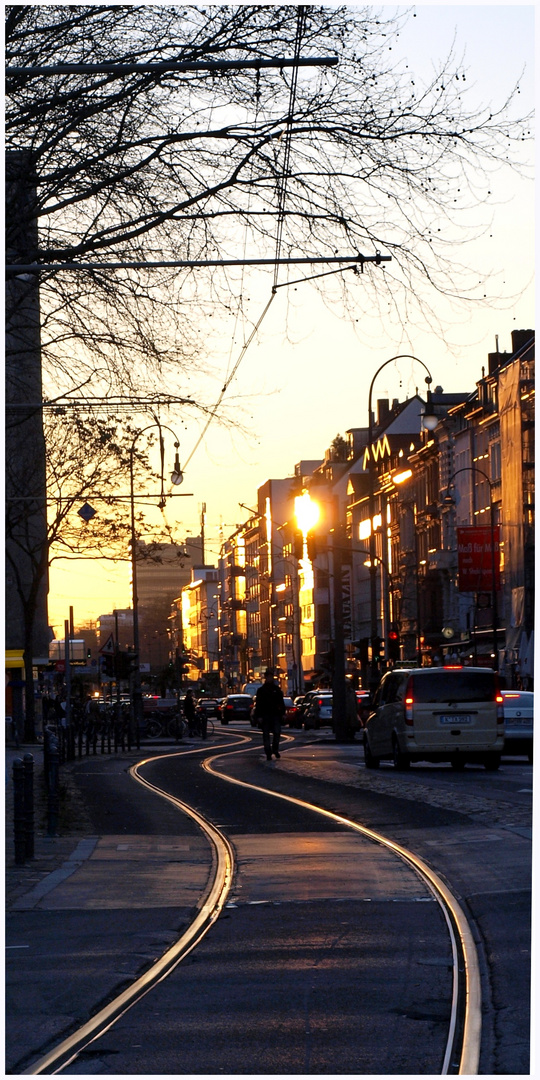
(306, 376)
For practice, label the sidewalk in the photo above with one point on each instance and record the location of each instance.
(50, 852)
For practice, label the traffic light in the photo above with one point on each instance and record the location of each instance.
(393, 643)
(126, 663)
(313, 546)
(328, 660)
(377, 649)
(107, 665)
(361, 646)
(298, 545)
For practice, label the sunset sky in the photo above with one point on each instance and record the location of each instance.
(306, 376)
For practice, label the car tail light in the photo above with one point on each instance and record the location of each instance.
(500, 702)
(409, 704)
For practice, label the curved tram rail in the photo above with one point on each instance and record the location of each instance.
(462, 1051)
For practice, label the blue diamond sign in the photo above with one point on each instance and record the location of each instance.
(86, 512)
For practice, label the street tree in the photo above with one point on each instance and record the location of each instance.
(87, 461)
(144, 164)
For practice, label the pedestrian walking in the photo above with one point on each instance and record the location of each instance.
(270, 709)
(189, 712)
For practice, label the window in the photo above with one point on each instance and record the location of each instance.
(440, 687)
(495, 461)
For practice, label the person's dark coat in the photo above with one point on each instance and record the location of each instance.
(269, 703)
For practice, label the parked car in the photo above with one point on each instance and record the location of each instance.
(211, 706)
(251, 688)
(436, 714)
(152, 704)
(319, 710)
(518, 708)
(291, 713)
(304, 703)
(235, 707)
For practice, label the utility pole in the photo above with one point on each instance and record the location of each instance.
(339, 703)
(203, 523)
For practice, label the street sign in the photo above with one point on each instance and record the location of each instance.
(108, 647)
(477, 561)
(87, 512)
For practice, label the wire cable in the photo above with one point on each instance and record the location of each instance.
(282, 193)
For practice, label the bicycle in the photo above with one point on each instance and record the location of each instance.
(175, 726)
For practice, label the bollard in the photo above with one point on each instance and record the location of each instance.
(28, 763)
(18, 811)
(52, 784)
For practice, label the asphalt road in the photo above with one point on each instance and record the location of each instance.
(330, 957)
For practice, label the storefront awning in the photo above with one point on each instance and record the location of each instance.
(14, 658)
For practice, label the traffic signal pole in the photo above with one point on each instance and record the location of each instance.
(339, 706)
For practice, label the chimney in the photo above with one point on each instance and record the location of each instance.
(521, 338)
(496, 360)
(383, 410)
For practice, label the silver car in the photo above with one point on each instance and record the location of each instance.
(518, 708)
(319, 711)
(436, 714)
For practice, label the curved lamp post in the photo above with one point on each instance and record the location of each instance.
(430, 422)
(449, 501)
(176, 478)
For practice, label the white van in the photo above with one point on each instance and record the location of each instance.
(436, 714)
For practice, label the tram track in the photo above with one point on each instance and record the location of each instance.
(462, 1049)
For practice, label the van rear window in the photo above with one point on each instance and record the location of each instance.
(461, 685)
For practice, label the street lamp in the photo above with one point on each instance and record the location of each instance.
(430, 422)
(176, 478)
(449, 501)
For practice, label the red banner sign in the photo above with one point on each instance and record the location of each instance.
(476, 558)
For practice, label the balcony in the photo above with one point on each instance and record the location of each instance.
(442, 560)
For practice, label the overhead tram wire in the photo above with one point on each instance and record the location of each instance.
(282, 192)
(118, 70)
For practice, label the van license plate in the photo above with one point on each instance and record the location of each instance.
(456, 718)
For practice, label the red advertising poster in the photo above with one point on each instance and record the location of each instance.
(475, 558)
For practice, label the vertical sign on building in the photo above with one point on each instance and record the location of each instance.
(347, 604)
(477, 558)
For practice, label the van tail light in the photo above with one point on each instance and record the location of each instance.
(409, 704)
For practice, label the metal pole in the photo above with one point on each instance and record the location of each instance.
(371, 480)
(374, 670)
(417, 575)
(67, 648)
(18, 811)
(494, 612)
(137, 695)
(339, 705)
(159, 67)
(28, 766)
(14, 269)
